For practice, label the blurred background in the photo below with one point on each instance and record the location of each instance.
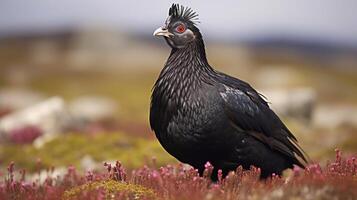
(76, 76)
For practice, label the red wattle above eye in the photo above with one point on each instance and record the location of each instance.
(180, 29)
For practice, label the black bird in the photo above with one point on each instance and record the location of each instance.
(199, 114)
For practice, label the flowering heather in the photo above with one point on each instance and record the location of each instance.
(23, 135)
(336, 180)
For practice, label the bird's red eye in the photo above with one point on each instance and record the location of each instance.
(180, 28)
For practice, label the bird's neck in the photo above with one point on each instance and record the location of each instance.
(188, 61)
(184, 72)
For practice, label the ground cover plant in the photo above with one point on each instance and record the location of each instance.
(335, 180)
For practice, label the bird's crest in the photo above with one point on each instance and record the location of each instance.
(185, 13)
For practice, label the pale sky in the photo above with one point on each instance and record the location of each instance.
(332, 20)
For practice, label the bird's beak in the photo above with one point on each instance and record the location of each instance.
(162, 32)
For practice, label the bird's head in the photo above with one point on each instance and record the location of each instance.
(180, 27)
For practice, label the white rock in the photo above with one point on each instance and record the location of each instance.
(295, 103)
(50, 116)
(333, 116)
(41, 177)
(92, 108)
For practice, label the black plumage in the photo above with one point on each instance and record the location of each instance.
(199, 114)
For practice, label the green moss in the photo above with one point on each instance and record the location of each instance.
(111, 189)
(69, 149)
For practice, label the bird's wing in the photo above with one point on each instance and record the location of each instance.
(249, 112)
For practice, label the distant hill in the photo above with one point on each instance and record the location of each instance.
(268, 48)
(306, 46)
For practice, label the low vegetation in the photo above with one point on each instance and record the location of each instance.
(336, 180)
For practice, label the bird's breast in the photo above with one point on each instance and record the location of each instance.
(193, 125)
